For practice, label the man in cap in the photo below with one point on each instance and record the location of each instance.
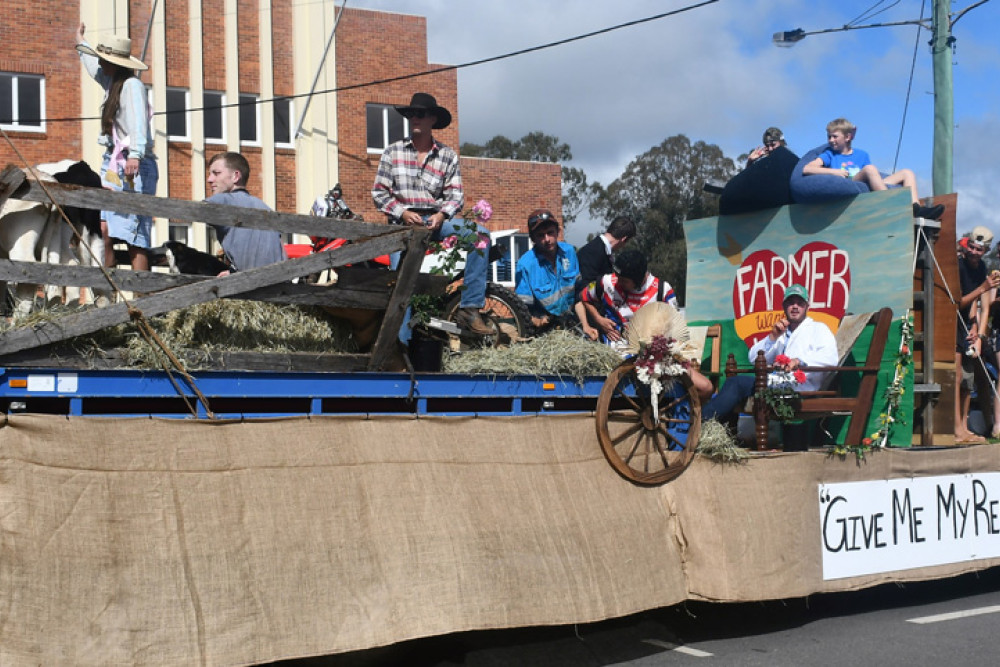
(977, 294)
(802, 339)
(419, 183)
(547, 274)
(607, 305)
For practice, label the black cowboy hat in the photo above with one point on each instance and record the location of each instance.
(426, 102)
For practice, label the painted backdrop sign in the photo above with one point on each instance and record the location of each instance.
(761, 279)
(853, 255)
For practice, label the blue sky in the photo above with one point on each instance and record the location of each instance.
(714, 75)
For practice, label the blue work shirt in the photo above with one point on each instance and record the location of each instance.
(543, 286)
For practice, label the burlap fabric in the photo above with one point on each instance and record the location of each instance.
(176, 543)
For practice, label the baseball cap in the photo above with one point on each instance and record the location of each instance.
(981, 235)
(796, 290)
(773, 134)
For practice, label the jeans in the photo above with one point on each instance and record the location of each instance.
(735, 391)
(133, 229)
(477, 264)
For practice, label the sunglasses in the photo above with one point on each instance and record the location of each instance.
(415, 113)
(539, 218)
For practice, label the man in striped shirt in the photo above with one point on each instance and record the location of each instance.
(419, 183)
(608, 304)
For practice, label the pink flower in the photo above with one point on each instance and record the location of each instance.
(448, 242)
(482, 242)
(799, 376)
(482, 211)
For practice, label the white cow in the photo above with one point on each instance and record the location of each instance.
(36, 232)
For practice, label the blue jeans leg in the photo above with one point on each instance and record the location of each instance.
(477, 263)
(735, 391)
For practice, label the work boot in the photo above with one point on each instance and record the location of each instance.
(469, 318)
(928, 212)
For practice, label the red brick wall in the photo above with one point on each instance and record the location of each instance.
(282, 47)
(37, 38)
(249, 46)
(513, 188)
(178, 38)
(213, 45)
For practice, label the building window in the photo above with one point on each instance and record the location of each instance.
(513, 246)
(284, 116)
(215, 118)
(177, 114)
(179, 231)
(249, 120)
(385, 126)
(22, 102)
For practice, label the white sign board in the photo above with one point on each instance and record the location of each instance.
(900, 524)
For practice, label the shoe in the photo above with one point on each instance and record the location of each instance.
(469, 318)
(928, 212)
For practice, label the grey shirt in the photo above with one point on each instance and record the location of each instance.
(247, 248)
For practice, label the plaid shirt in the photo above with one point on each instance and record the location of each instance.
(402, 183)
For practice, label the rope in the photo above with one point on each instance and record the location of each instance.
(136, 315)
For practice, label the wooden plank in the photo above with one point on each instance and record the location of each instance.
(212, 361)
(89, 321)
(202, 211)
(372, 297)
(11, 179)
(409, 268)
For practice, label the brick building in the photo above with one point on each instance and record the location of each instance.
(225, 75)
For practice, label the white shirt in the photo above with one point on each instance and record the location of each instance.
(812, 343)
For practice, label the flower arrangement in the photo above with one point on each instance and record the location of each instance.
(469, 239)
(780, 390)
(659, 359)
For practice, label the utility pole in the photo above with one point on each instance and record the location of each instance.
(944, 104)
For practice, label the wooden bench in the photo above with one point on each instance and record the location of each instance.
(828, 401)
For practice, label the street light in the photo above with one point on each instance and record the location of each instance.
(940, 24)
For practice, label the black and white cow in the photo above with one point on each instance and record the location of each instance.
(35, 232)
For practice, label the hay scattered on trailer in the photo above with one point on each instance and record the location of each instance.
(250, 326)
(559, 353)
(718, 444)
(194, 333)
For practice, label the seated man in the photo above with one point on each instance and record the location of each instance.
(796, 335)
(607, 304)
(546, 274)
(245, 248)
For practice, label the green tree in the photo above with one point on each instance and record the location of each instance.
(541, 147)
(660, 190)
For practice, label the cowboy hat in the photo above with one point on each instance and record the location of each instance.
(116, 50)
(426, 102)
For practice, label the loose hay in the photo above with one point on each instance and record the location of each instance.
(559, 353)
(718, 444)
(194, 333)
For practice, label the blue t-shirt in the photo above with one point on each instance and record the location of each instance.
(852, 164)
(544, 286)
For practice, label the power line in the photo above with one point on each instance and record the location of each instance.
(436, 70)
(909, 88)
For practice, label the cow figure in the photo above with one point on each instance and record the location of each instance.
(36, 232)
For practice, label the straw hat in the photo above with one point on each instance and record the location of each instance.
(114, 49)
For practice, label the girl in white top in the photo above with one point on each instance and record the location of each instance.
(129, 164)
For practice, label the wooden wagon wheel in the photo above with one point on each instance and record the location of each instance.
(640, 447)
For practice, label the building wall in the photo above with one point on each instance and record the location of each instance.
(267, 48)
